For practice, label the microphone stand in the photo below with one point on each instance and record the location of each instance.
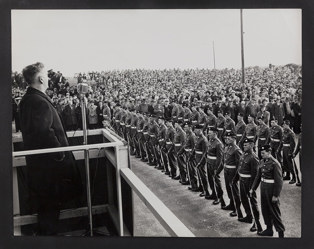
(86, 157)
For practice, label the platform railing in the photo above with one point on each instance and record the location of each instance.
(120, 159)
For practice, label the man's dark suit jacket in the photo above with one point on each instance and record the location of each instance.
(48, 174)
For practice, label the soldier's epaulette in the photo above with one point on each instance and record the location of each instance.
(275, 160)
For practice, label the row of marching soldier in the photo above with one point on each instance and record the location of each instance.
(195, 147)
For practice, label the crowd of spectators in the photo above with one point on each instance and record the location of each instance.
(278, 88)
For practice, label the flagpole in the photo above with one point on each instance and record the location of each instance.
(242, 48)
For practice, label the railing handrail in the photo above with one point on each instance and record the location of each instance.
(163, 214)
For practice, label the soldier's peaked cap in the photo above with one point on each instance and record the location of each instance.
(230, 134)
(248, 140)
(265, 147)
(213, 129)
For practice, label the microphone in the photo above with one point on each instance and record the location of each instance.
(82, 88)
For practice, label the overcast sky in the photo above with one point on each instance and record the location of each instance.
(74, 41)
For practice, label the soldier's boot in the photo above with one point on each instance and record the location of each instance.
(281, 234)
(268, 232)
(256, 227)
(222, 203)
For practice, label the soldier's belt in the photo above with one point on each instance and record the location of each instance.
(245, 175)
(228, 130)
(152, 135)
(194, 121)
(133, 127)
(127, 125)
(177, 144)
(199, 152)
(230, 166)
(275, 140)
(168, 142)
(180, 118)
(262, 138)
(139, 130)
(202, 124)
(250, 137)
(185, 119)
(105, 115)
(286, 145)
(160, 140)
(174, 116)
(122, 123)
(188, 150)
(212, 157)
(268, 180)
(220, 129)
(239, 135)
(145, 133)
(117, 121)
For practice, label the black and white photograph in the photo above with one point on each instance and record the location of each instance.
(157, 123)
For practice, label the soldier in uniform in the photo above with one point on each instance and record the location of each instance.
(162, 145)
(211, 120)
(190, 160)
(187, 116)
(263, 134)
(202, 120)
(174, 113)
(250, 130)
(229, 123)
(122, 124)
(194, 117)
(276, 139)
(180, 114)
(288, 144)
(153, 142)
(269, 173)
(128, 121)
(220, 124)
(215, 166)
(231, 163)
(201, 147)
(140, 138)
(240, 129)
(106, 113)
(145, 139)
(265, 115)
(179, 140)
(133, 133)
(169, 151)
(247, 172)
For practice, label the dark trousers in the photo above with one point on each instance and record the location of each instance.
(214, 180)
(287, 164)
(275, 154)
(192, 171)
(165, 160)
(236, 198)
(182, 166)
(271, 211)
(247, 201)
(172, 164)
(142, 147)
(203, 176)
(229, 175)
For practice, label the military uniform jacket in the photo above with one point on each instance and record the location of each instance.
(140, 127)
(263, 133)
(169, 139)
(122, 119)
(174, 113)
(128, 121)
(190, 144)
(240, 129)
(187, 115)
(106, 113)
(145, 131)
(215, 154)
(248, 166)
(179, 140)
(201, 147)
(232, 156)
(194, 118)
(250, 131)
(221, 125)
(162, 135)
(229, 125)
(269, 169)
(180, 114)
(211, 121)
(134, 125)
(288, 140)
(202, 120)
(276, 133)
(153, 132)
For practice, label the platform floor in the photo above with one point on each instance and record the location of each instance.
(198, 214)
